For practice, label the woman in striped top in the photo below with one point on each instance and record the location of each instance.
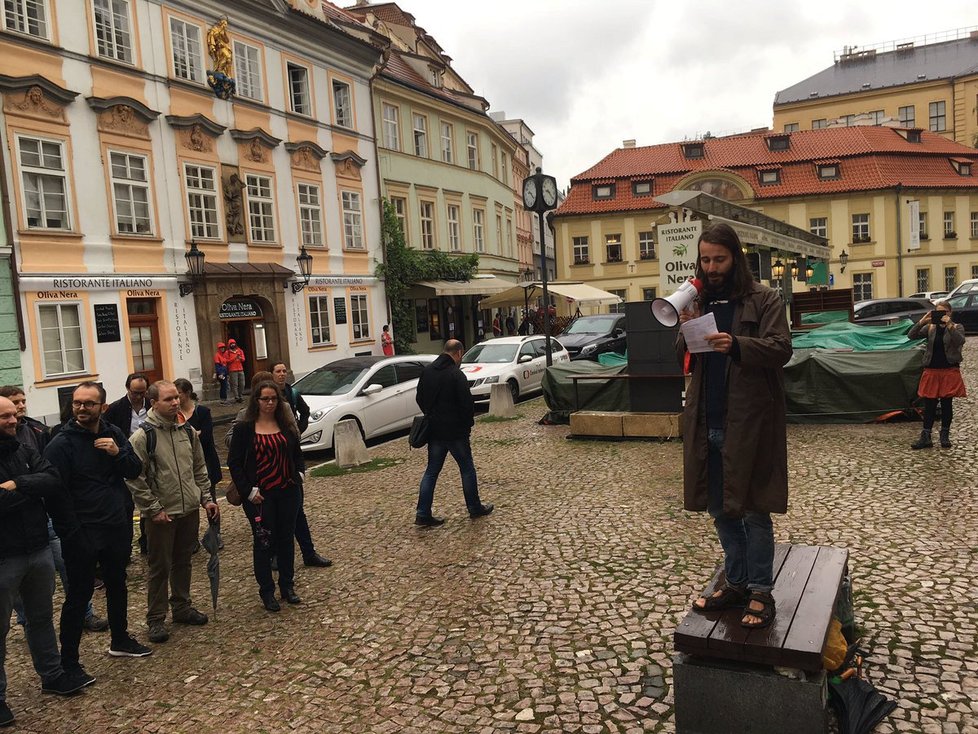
(266, 465)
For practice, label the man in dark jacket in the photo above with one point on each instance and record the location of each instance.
(94, 459)
(444, 397)
(26, 564)
(127, 414)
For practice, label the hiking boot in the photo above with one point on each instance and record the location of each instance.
(924, 442)
(946, 439)
(158, 633)
(192, 616)
(94, 623)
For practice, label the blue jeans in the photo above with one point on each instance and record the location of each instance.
(32, 576)
(748, 541)
(461, 451)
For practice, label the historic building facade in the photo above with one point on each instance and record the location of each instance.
(854, 186)
(123, 150)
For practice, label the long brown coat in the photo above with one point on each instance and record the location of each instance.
(755, 452)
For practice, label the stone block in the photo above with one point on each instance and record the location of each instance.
(501, 401)
(596, 423)
(652, 425)
(719, 696)
(348, 444)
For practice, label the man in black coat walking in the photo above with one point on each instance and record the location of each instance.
(444, 397)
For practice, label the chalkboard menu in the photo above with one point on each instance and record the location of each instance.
(107, 322)
(339, 309)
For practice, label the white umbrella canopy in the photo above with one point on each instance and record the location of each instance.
(573, 290)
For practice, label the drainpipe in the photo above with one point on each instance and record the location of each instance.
(899, 229)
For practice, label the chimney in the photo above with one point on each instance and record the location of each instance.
(630, 143)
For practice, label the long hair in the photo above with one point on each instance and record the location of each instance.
(184, 386)
(722, 234)
(282, 418)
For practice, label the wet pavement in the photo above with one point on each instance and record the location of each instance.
(554, 614)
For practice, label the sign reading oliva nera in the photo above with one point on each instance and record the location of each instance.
(677, 254)
(239, 308)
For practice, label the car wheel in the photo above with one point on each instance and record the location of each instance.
(359, 426)
(514, 388)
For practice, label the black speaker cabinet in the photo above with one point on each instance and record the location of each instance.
(656, 380)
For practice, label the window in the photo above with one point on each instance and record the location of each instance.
(359, 316)
(923, 280)
(642, 188)
(938, 117)
(400, 211)
(504, 167)
(185, 46)
(495, 160)
(261, 208)
(770, 177)
(849, 120)
(392, 127)
(819, 226)
(949, 232)
(112, 34)
(202, 201)
(648, 294)
(447, 143)
(693, 150)
(581, 254)
(646, 246)
(310, 215)
(923, 226)
(298, 89)
(509, 237)
(612, 244)
(454, 228)
(342, 104)
(478, 229)
(130, 193)
(247, 67)
(963, 168)
(779, 142)
(45, 181)
(61, 339)
(472, 142)
(862, 286)
(499, 233)
(352, 221)
(319, 320)
(974, 224)
(876, 117)
(828, 171)
(603, 191)
(819, 124)
(791, 127)
(908, 116)
(618, 307)
(860, 228)
(427, 225)
(950, 278)
(421, 136)
(26, 16)
(974, 272)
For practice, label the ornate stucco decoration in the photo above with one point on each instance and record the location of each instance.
(123, 115)
(348, 164)
(221, 52)
(255, 143)
(306, 155)
(195, 132)
(35, 96)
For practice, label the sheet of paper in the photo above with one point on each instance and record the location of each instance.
(695, 332)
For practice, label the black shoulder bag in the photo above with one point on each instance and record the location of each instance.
(421, 428)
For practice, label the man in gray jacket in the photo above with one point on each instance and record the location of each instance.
(169, 493)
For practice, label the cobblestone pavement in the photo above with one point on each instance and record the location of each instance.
(555, 614)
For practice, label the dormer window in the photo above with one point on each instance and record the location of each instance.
(778, 142)
(642, 188)
(603, 191)
(437, 78)
(829, 171)
(910, 134)
(693, 150)
(770, 176)
(962, 166)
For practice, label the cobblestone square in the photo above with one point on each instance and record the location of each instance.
(554, 614)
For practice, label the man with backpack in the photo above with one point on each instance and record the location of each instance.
(169, 491)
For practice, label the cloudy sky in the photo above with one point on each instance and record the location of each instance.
(586, 75)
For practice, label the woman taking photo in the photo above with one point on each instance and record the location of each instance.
(267, 468)
(941, 379)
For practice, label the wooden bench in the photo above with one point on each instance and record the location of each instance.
(724, 674)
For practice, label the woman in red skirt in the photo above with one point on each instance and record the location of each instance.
(941, 379)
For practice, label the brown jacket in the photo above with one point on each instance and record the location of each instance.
(755, 452)
(953, 341)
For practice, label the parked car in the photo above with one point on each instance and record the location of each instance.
(964, 310)
(588, 336)
(931, 296)
(377, 392)
(890, 310)
(967, 286)
(518, 361)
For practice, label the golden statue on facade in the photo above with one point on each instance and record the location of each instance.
(219, 48)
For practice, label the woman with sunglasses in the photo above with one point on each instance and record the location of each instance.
(266, 465)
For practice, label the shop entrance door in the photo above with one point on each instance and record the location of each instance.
(144, 337)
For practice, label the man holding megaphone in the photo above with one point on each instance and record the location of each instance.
(734, 430)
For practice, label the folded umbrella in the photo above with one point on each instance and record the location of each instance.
(211, 542)
(858, 705)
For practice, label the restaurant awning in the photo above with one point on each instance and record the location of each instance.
(474, 287)
(575, 291)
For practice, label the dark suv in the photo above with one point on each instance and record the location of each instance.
(588, 336)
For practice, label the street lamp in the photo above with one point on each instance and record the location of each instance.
(843, 260)
(305, 270)
(809, 271)
(777, 269)
(794, 269)
(540, 196)
(195, 268)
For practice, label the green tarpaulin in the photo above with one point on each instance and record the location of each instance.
(563, 398)
(858, 338)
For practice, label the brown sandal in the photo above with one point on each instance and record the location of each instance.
(765, 614)
(726, 597)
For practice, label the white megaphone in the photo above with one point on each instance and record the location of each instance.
(666, 310)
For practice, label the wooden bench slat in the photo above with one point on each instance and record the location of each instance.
(811, 625)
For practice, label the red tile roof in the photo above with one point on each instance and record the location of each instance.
(869, 158)
(398, 70)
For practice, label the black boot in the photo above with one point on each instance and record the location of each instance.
(945, 438)
(924, 442)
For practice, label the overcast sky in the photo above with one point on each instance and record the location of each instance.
(586, 74)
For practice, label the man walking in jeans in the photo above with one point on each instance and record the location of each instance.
(444, 397)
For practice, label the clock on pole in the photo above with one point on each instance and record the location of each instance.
(540, 196)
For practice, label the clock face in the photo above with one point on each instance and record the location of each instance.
(550, 191)
(529, 193)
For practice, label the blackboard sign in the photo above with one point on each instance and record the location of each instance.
(107, 322)
(339, 309)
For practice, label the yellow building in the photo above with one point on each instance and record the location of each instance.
(924, 82)
(855, 186)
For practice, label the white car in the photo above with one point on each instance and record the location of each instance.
(518, 361)
(377, 392)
